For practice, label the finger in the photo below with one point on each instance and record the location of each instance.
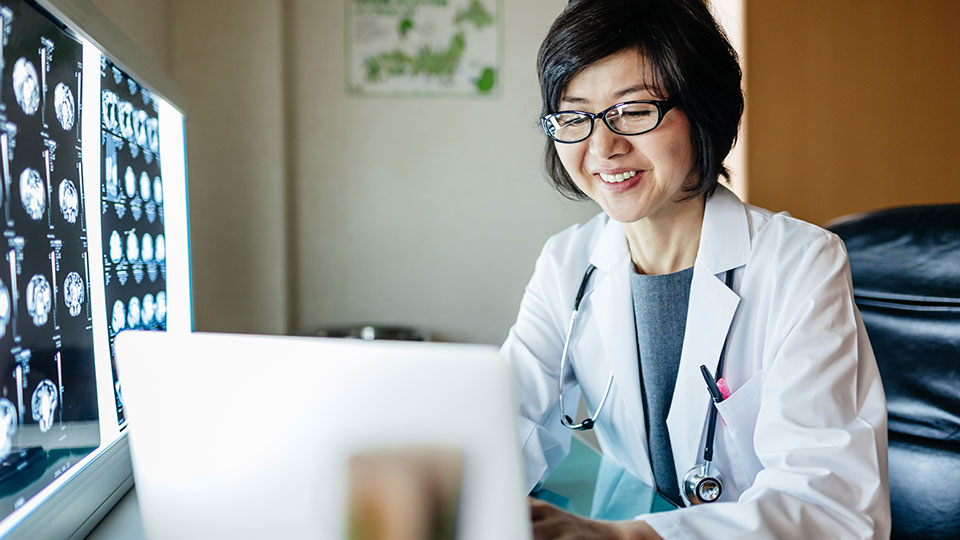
(539, 509)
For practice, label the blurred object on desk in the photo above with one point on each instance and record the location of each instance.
(409, 493)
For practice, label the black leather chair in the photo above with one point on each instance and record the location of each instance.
(906, 281)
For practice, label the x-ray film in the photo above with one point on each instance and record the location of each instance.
(48, 405)
(132, 218)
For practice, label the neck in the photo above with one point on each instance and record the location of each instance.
(668, 243)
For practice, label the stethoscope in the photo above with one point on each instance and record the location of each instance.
(702, 483)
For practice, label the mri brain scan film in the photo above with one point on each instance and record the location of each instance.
(32, 193)
(26, 85)
(119, 320)
(48, 400)
(161, 306)
(132, 209)
(146, 247)
(38, 299)
(116, 247)
(69, 201)
(130, 182)
(44, 404)
(8, 426)
(133, 313)
(73, 293)
(149, 310)
(145, 186)
(4, 310)
(133, 247)
(63, 100)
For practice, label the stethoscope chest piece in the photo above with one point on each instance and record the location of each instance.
(701, 485)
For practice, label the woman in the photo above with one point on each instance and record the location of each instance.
(641, 104)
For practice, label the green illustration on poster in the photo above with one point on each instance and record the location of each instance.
(423, 47)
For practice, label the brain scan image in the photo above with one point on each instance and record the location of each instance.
(64, 105)
(8, 427)
(145, 186)
(44, 404)
(157, 190)
(130, 182)
(161, 307)
(26, 86)
(32, 194)
(146, 247)
(140, 127)
(39, 297)
(125, 118)
(160, 249)
(133, 313)
(4, 309)
(113, 184)
(116, 247)
(69, 201)
(111, 110)
(133, 247)
(73, 293)
(148, 311)
(153, 135)
(119, 316)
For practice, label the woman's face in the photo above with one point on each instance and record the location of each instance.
(652, 168)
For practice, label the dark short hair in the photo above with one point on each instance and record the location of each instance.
(691, 59)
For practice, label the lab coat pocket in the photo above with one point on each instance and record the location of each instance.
(739, 413)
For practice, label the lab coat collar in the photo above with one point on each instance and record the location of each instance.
(724, 237)
(725, 240)
(725, 234)
(724, 245)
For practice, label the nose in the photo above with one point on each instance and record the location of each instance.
(606, 144)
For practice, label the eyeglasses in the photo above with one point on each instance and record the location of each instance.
(628, 118)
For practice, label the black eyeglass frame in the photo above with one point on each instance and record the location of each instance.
(663, 107)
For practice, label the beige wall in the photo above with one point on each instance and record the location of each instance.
(852, 104)
(145, 22)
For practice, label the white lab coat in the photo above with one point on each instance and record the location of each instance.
(803, 445)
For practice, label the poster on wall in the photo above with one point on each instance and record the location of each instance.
(424, 47)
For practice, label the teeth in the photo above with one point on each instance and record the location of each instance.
(617, 178)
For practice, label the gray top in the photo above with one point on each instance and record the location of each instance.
(660, 308)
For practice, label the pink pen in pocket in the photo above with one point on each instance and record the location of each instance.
(725, 390)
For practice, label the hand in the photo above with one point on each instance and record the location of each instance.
(551, 523)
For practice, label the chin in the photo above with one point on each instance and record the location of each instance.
(625, 216)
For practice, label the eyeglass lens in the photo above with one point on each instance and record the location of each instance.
(625, 119)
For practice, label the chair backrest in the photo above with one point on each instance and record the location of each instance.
(906, 280)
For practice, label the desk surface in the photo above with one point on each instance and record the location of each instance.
(587, 484)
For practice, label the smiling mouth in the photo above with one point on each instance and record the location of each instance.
(617, 178)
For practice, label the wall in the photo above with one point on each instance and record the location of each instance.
(852, 105)
(428, 212)
(145, 22)
(225, 55)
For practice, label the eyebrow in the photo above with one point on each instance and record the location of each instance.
(619, 94)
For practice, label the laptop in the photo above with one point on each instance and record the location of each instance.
(240, 436)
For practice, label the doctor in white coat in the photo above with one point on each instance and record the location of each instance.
(641, 103)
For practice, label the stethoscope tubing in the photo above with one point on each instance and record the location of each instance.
(589, 422)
